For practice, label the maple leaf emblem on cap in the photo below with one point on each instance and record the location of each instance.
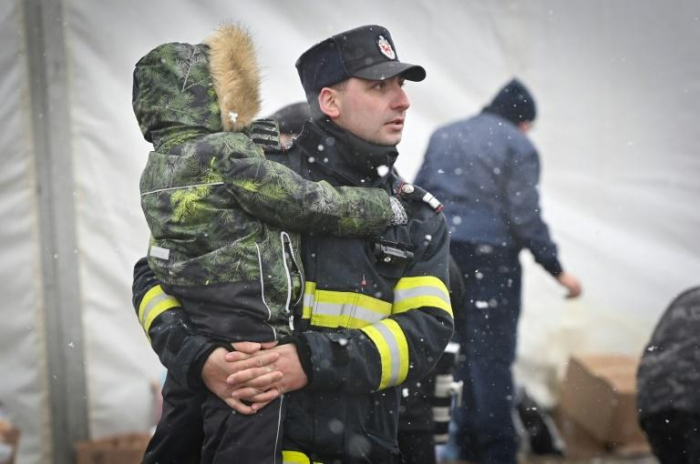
(385, 48)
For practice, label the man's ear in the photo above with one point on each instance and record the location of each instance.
(328, 102)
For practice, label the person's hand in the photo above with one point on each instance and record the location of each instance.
(217, 369)
(260, 384)
(571, 283)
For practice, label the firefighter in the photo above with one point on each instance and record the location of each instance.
(376, 312)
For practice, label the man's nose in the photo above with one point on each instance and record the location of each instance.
(400, 101)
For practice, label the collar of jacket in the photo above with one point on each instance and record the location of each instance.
(496, 114)
(352, 159)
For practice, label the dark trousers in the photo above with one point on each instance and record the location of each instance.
(674, 436)
(200, 428)
(231, 437)
(484, 425)
(417, 447)
(179, 434)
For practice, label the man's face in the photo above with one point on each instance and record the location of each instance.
(373, 110)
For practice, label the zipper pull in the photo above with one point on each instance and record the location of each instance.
(363, 283)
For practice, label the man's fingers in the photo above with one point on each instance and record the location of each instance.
(246, 361)
(255, 395)
(259, 405)
(240, 407)
(234, 356)
(247, 408)
(246, 347)
(574, 292)
(265, 397)
(261, 377)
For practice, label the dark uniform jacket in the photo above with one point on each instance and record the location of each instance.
(486, 171)
(419, 396)
(375, 313)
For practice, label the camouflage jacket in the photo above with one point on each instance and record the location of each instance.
(222, 217)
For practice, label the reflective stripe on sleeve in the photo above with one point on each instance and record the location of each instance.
(309, 299)
(153, 304)
(416, 292)
(296, 457)
(325, 308)
(391, 343)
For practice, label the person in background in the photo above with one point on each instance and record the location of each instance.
(486, 171)
(291, 119)
(668, 382)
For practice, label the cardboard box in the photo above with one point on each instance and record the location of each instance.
(120, 449)
(581, 445)
(599, 395)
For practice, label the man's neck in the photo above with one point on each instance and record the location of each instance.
(355, 160)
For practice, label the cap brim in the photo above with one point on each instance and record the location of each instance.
(389, 69)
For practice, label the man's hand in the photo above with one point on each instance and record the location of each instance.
(217, 369)
(571, 283)
(259, 382)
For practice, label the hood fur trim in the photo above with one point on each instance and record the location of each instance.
(236, 76)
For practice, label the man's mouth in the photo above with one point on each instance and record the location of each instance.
(396, 123)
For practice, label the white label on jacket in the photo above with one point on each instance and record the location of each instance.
(160, 253)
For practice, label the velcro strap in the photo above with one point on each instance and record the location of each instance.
(265, 133)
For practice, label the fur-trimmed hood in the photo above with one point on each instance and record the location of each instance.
(182, 90)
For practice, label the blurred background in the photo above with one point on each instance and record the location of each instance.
(618, 92)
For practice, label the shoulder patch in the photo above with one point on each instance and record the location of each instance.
(412, 192)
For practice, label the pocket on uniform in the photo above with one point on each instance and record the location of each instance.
(390, 271)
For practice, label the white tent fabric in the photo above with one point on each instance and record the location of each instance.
(23, 384)
(618, 87)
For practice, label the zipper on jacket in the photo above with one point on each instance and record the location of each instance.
(288, 249)
(299, 268)
(262, 292)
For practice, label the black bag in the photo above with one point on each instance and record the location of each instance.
(538, 432)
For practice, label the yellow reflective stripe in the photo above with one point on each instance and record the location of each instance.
(346, 309)
(332, 322)
(344, 298)
(391, 343)
(326, 308)
(309, 301)
(415, 292)
(153, 304)
(296, 457)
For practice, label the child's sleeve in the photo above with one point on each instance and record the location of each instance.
(278, 196)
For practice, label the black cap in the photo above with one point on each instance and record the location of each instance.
(514, 102)
(291, 118)
(366, 52)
